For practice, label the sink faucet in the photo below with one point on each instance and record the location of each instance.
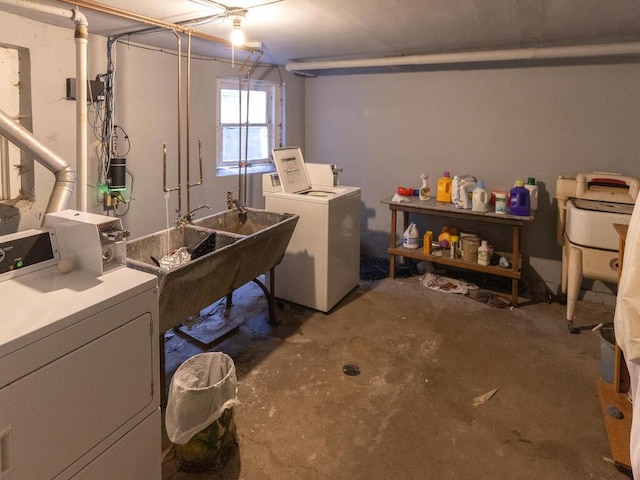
(187, 218)
(241, 208)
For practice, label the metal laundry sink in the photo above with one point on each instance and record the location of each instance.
(246, 246)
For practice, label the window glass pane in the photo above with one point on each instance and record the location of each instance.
(258, 148)
(230, 108)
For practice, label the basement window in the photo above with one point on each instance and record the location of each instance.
(249, 124)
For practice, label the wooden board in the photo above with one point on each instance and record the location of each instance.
(618, 430)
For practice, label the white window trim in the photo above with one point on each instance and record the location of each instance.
(276, 123)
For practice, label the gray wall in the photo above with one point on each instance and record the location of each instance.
(498, 124)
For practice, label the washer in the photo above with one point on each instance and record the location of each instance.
(588, 207)
(322, 262)
(79, 366)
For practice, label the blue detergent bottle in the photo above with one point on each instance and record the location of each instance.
(520, 202)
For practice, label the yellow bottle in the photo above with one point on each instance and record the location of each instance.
(428, 238)
(444, 188)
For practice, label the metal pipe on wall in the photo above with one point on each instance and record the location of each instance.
(81, 35)
(65, 176)
(546, 53)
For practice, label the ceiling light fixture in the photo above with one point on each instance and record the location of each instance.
(237, 35)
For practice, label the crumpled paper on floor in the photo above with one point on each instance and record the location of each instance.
(446, 284)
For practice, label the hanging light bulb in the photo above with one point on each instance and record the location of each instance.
(237, 35)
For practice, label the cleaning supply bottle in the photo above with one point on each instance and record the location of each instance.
(519, 204)
(483, 253)
(480, 198)
(411, 237)
(533, 193)
(425, 190)
(426, 244)
(444, 188)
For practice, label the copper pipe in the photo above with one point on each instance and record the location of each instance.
(188, 121)
(119, 12)
(179, 116)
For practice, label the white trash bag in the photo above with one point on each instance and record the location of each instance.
(202, 388)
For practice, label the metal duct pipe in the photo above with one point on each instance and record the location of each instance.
(582, 51)
(81, 36)
(65, 176)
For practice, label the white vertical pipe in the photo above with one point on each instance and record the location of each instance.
(81, 40)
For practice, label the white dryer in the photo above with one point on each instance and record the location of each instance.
(322, 262)
(79, 364)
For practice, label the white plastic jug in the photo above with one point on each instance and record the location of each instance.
(411, 237)
(533, 193)
(480, 198)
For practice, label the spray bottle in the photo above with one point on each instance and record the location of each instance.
(425, 190)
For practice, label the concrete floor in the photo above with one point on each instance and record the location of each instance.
(423, 356)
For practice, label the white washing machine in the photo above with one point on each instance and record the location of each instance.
(79, 363)
(322, 262)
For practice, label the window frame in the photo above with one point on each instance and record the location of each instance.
(275, 122)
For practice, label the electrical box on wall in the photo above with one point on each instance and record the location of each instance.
(95, 90)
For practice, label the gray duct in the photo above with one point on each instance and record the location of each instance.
(65, 176)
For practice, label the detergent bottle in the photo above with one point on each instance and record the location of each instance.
(411, 237)
(533, 192)
(444, 188)
(480, 198)
(425, 190)
(520, 202)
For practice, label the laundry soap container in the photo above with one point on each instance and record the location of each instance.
(443, 193)
(519, 200)
(411, 237)
(533, 193)
(480, 198)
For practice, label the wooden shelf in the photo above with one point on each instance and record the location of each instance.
(615, 394)
(445, 259)
(438, 209)
(618, 430)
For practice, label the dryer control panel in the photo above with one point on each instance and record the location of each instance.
(26, 252)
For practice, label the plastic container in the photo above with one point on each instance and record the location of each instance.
(426, 244)
(533, 193)
(444, 188)
(454, 248)
(520, 201)
(425, 190)
(480, 198)
(484, 253)
(411, 237)
(501, 202)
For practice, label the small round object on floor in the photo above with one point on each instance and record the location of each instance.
(351, 370)
(66, 265)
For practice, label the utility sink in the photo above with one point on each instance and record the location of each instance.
(232, 221)
(239, 248)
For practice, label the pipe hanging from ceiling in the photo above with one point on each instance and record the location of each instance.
(546, 53)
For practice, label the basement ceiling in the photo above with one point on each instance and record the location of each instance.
(304, 30)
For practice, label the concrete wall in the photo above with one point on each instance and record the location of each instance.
(52, 61)
(146, 107)
(498, 124)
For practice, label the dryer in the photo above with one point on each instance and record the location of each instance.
(322, 262)
(79, 361)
